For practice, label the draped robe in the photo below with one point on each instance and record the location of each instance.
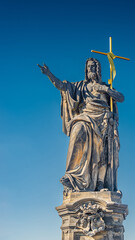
(85, 115)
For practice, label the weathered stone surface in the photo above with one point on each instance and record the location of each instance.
(92, 159)
(92, 216)
(92, 207)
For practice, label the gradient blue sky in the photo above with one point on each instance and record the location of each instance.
(32, 146)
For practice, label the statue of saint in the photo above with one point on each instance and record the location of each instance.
(92, 159)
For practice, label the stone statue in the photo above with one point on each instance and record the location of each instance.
(92, 159)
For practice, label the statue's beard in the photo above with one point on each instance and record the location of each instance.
(92, 76)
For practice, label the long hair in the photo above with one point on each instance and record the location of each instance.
(98, 69)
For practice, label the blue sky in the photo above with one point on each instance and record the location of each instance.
(32, 146)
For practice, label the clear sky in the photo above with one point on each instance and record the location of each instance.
(33, 147)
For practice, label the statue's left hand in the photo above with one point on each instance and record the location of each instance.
(100, 88)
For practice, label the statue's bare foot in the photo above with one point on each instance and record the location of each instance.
(104, 190)
(100, 186)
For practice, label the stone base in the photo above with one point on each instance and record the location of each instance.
(92, 216)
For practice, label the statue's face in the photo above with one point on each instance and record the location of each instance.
(91, 70)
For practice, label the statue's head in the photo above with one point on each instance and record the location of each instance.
(93, 70)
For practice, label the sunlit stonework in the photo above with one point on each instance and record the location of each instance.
(92, 207)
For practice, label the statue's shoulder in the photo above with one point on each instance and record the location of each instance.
(74, 86)
(77, 84)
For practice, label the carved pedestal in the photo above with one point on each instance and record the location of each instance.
(92, 216)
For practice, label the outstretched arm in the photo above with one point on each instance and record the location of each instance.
(62, 86)
(117, 96)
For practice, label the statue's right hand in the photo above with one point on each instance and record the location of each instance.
(44, 69)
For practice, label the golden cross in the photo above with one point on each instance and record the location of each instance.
(112, 56)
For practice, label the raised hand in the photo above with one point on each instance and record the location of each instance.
(44, 69)
(55, 81)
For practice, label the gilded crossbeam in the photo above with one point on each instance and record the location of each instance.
(111, 56)
(106, 55)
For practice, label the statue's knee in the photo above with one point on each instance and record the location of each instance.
(80, 131)
(77, 127)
